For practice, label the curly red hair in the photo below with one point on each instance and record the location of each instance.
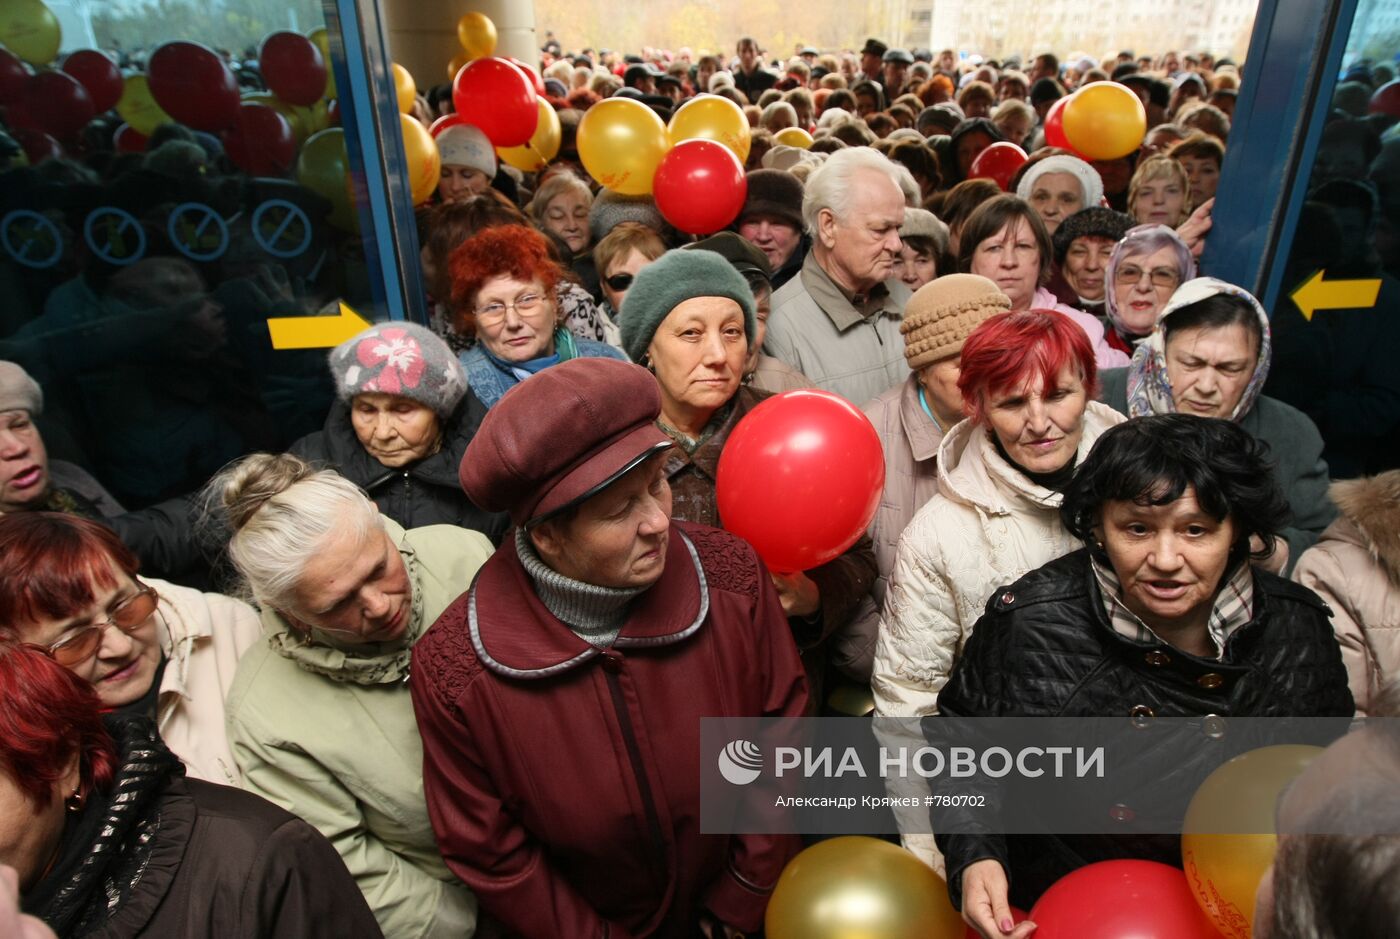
(516, 251)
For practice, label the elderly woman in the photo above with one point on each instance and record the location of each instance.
(771, 220)
(1084, 243)
(504, 280)
(1159, 193)
(1005, 242)
(319, 714)
(1059, 186)
(1144, 270)
(1167, 510)
(579, 664)
(690, 319)
(401, 422)
(619, 256)
(924, 252)
(561, 206)
(912, 419)
(468, 162)
(1208, 355)
(110, 838)
(148, 648)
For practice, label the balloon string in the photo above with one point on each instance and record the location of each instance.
(539, 157)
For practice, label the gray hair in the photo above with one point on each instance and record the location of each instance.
(553, 187)
(282, 511)
(1143, 240)
(830, 186)
(774, 112)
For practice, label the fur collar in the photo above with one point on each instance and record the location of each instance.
(1372, 504)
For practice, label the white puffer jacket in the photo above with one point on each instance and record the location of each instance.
(987, 526)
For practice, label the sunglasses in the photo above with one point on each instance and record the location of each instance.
(128, 616)
(620, 281)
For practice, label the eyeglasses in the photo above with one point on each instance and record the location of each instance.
(620, 281)
(1160, 276)
(128, 616)
(524, 305)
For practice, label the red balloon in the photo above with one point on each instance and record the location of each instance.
(530, 73)
(193, 85)
(800, 478)
(700, 186)
(1055, 125)
(333, 112)
(99, 75)
(1386, 99)
(38, 146)
(260, 142)
(54, 103)
(129, 140)
(495, 96)
(444, 122)
(293, 68)
(14, 76)
(1017, 916)
(999, 163)
(1121, 900)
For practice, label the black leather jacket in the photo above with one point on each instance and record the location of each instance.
(1044, 647)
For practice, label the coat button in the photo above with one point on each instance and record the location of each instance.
(1141, 715)
(1008, 598)
(1121, 813)
(1213, 726)
(611, 663)
(1210, 681)
(1158, 657)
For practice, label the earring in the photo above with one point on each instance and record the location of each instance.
(74, 803)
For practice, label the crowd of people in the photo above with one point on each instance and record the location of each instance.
(436, 666)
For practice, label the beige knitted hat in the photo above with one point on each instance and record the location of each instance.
(944, 312)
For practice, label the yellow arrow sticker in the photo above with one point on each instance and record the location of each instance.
(316, 332)
(1316, 294)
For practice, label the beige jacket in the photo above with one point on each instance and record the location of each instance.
(203, 635)
(1355, 567)
(911, 442)
(987, 526)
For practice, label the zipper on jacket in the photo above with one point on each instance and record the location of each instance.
(634, 755)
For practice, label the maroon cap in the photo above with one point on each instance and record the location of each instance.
(562, 435)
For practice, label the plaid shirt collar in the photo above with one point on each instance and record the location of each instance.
(1234, 607)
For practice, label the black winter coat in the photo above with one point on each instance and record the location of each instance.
(426, 493)
(1045, 648)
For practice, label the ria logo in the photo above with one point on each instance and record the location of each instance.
(740, 762)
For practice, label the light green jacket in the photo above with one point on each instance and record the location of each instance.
(330, 736)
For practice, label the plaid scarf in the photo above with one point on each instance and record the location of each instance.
(1233, 608)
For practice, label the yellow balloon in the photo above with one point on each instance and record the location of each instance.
(621, 142)
(794, 137)
(314, 117)
(543, 146)
(477, 34)
(456, 65)
(323, 166)
(1224, 870)
(1105, 121)
(31, 31)
(322, 39)
(404, 88)
(860, 888)
(138, 107)
(424, 161)
(711, 117)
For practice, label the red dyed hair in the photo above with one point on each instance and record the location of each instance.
(516, 251)
(47, 714)
(1008, 349)
(51, 564)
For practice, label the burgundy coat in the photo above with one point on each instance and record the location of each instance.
(563, 780)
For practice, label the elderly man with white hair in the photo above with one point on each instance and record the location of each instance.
(837, 322)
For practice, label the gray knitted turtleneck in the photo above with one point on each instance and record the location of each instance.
(594, 614)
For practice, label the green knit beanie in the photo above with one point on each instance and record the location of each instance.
(669, 281)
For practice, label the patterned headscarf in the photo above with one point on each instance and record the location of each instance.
(1149, 391)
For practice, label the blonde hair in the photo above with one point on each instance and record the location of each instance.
(556, 185)
(282, 510)
(622, 241)
(1160, 166)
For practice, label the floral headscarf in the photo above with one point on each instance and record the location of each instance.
(1149, 391)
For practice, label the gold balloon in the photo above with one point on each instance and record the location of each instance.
(477, 34)
(456, 65)
(404, 88)
(322, 38)
(137, 106)
(31, 31)
(794, 137)
(712, 117)
(621, 142)
(860, 888)
(1224, 870)
(543, 146)
(424, 161)
(323, 166)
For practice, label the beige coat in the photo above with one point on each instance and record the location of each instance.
(202, 635)
(911, 442)
(1355, 567)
